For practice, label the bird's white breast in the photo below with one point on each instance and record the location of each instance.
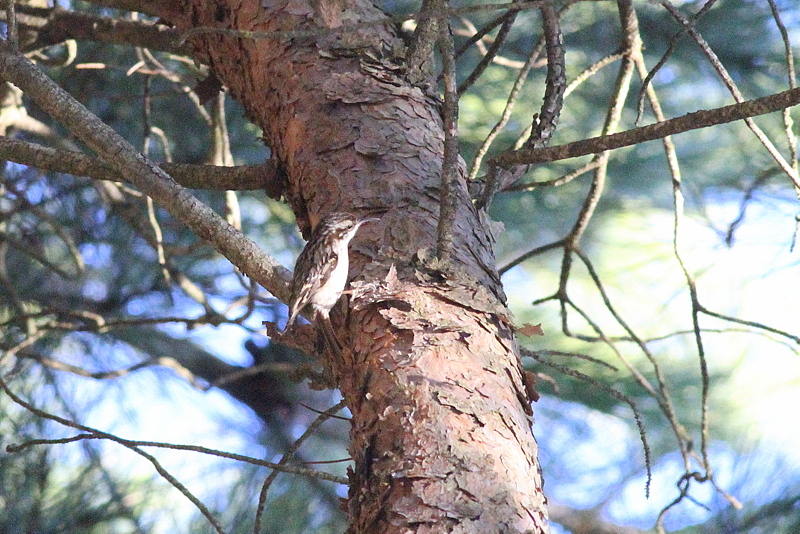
(329, 292)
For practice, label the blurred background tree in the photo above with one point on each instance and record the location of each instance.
(115, 316)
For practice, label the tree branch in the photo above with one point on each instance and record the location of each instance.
(144, 174)
(60, 25)
(734, 90)
(162, 8)
(447, 203)
(556, 80)
(419, 57)
(544, 124)
(659, 130)
(502, 33)
(241, 178)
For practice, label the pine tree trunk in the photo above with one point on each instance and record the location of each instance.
(441, 433)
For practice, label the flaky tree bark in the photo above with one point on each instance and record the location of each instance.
(441, 431)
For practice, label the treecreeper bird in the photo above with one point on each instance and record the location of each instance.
(320, 274)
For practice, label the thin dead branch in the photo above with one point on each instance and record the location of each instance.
(790, 171)
(97, 434)
(491, 54)
(419, 57)
(288, 457)
(665, 57)
(447, 203)
(241, 178)
(659, 130)
(614, 393)
(544, 124)
(148, 177)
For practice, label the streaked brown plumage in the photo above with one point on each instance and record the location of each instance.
(320, 273)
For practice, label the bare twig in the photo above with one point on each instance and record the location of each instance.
(614, 393)
(448, 200)
(288, 456)
(695, 309)
(556, 182)
(480, 44)
(510, 104)
(478, 35)
(664, 399)
(659, 130)
(221, 155)
(158, 235)
(32, 336)
(91, 322)
(169, 363)
(545, 123)
(631, 44)
(665, 57)
(11, 24)
(490, 55)
(530, 254)
(242, 178)
(788, 123)
(578, 356)
(790, 171)
(59, 25)
(148, 178)
(419, 57)
(792, 76)
(95, 434)
(754, 324)
(591, 71)
(748, 196)
(586, 74)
